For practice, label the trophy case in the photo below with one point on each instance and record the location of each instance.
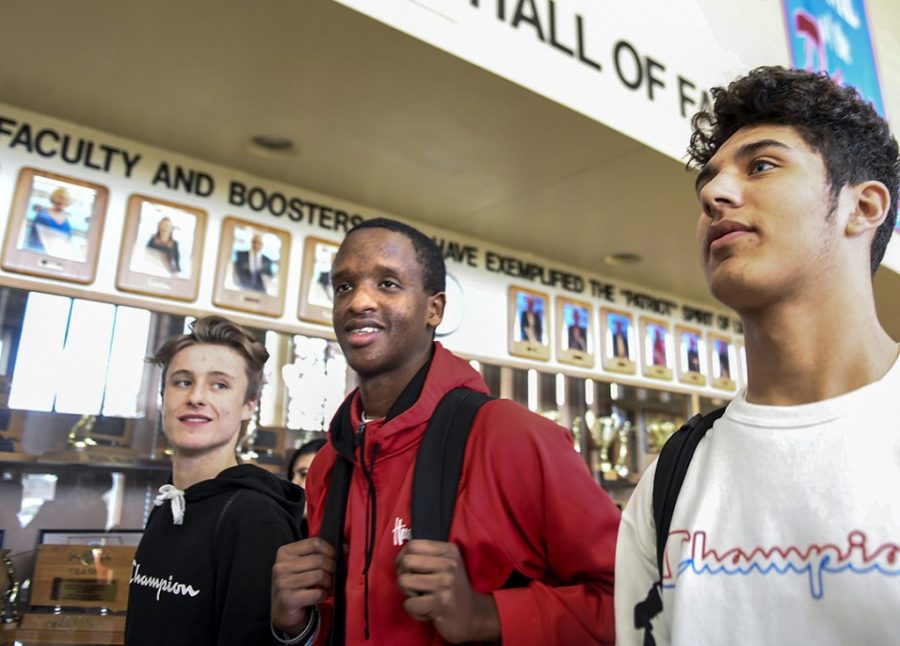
(617, 428)
(82, 453)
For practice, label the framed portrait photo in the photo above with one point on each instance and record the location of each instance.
(251, 268)
(619, 340)
(55, 226)
(723, 362)
(575, 332)
(691, 348)
(162, 249)
(529, 324)
(657, 351)
(316, 296)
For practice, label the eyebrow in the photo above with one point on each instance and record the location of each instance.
(708, 172)
(381, 269)
(190, 373)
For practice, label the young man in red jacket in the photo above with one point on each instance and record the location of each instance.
(527, 507)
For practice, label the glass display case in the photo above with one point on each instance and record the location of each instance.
(82, 453)
(617, 428)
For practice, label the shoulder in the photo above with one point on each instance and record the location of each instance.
(503, 420)
(638, 513)
(508, 438)
(248, 515)
(243, 505)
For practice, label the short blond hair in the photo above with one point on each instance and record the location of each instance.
(61, 192)
(218, 330)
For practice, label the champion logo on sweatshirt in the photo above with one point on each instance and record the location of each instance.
(814, 561)
(401, 533)
(160, 584)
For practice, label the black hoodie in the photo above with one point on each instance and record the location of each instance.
(207, 580)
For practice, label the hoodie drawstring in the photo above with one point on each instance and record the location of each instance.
(176, 495)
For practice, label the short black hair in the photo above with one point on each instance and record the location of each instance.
(313, 446)
(429, 255)
(855, 142)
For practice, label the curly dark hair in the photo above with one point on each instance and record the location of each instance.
(855, 142)
(218, 330)
(429, 255)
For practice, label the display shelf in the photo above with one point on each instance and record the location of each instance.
(36, 463)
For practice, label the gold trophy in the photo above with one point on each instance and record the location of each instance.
(661, 430)
(603, 432)
(82, 445)
(577, 423)
(9, 584)
(621, 465)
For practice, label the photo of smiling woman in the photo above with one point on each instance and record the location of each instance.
(202, 571)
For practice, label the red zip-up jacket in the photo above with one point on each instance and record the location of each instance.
(526, 503)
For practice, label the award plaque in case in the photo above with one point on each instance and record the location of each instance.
(80, 589)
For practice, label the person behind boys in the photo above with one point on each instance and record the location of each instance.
(298, 467)
(202, 571)
(786, 527)
(528, 510)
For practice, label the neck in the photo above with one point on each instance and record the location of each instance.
(379, 392)
(188, 469)
(799, 353)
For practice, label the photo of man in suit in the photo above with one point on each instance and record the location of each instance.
(619, 337)
(252, 268)
(658, 345)
(577, 329)
(531, 319)
(691, 342)
(722, 350)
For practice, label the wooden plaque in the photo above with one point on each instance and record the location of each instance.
(71, 628)
(83, 576)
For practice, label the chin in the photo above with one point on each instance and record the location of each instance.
(739, 292)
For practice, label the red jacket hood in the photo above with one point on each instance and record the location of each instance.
(445, 373)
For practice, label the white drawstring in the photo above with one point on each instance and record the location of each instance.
(170, 492)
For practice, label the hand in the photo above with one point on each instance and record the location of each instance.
(301, 577)
(433, 577)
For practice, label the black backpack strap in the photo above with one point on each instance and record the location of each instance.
(671, 468)
(332, 529)
(439, 463)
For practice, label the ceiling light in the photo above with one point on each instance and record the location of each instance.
(270, 146)
(624, 258)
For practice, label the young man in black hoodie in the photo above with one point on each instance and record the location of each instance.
(201, 574)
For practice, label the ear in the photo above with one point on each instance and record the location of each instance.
(247, 410)
(871, 201)
(436, 304)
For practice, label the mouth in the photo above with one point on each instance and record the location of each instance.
(194, 419)
(362, 332)
(724, 233)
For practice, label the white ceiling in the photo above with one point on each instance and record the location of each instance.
(380, 119)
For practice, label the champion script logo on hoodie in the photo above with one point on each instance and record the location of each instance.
(159, 584)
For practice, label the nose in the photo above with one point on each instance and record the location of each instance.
(720, 193)
(196, 396)
(362, 299)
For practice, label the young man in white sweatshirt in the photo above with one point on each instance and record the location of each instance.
(786, 527)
